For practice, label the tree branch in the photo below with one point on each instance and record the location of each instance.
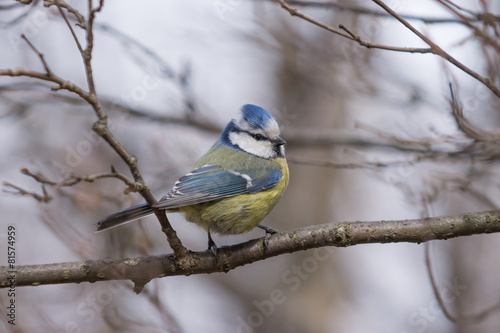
(349, 35)
(433, 47)
(70, 180)
(141, 270)
(437, 50)
(354, 8)
(101, 125)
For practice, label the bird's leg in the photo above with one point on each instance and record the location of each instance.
(269, 232)
(211, 244)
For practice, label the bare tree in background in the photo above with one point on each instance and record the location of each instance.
(444, 160)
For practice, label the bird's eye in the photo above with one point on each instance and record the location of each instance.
(259, 137)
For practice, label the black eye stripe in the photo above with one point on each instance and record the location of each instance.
(258, 137)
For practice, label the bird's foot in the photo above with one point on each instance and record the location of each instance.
(212, 246)
(269, 232)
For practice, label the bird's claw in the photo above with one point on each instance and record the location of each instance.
(212, 246)
(269, 232)
(266, 240)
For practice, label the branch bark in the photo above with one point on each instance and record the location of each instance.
(141, 270)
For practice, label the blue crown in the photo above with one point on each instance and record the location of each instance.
(256, 116)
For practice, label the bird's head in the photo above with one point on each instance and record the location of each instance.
(254, 131)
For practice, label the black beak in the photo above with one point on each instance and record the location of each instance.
(278, 141)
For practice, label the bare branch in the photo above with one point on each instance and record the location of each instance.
(45, 197)
(101, 128)
(349, 35)
(70, 180)
(141, 270)
(87, 53)
(433, 47)
(353, 8)
(50, 77)
(437, 50)
(60, 3)
(369, 45)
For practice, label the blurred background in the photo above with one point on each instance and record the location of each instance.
(371, 136)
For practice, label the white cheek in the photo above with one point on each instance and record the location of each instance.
(250, 145)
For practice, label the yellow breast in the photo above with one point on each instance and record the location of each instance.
(240, 213)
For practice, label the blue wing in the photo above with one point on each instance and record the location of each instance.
(211, 182)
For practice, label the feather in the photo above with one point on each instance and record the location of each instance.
(212, 182)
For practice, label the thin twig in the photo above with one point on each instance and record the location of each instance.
(437, 50)
(74, 179)
(434, 48)
(39, 54)
(349, 35)
(79, 17)
(68, 181)
(467, 22)
(45, 197)
(369, 45)
(353, 8)
(77, 42)
(461, 8)
(87, 53)
(51, 77)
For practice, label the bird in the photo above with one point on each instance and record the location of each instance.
(233, 186)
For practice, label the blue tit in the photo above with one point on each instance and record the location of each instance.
(231, 188)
